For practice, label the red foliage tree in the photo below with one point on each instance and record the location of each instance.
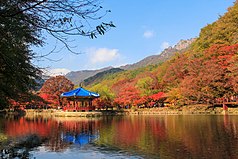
(128, 96)
(212, 76)
(54, 87)
(155, 99)
(119, 85)
(102, 103)
(176, 71)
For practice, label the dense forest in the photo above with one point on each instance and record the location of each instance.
(205, 73)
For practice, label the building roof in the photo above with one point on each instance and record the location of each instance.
(80, 93)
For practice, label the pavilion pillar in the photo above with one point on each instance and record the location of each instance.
(76, 103)
(90, 102)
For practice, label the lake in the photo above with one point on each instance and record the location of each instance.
(165, 136)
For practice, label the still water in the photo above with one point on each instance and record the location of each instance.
(180, 136)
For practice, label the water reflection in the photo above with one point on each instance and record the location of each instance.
(55, 135)
(123, 137)
(173, 136)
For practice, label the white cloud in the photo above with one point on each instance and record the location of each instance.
(56, 71)
(164, 45)
(148, 34)
(103, 55)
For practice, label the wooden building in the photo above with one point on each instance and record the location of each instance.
(78, 99)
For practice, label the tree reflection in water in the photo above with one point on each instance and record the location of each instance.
(54, 135)
(141, 136)
(168, 136)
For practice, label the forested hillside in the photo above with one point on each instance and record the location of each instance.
(205, 73)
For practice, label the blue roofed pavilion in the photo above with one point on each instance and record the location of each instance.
(78, 99)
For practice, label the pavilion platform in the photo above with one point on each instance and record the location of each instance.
(61, 113)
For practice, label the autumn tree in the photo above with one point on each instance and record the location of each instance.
(175, 72)
(212, 75)
(54, 87)
(233, 68)
(206, 70)
(129, 96)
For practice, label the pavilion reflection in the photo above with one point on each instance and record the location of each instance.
(58, 134)
(79, 139)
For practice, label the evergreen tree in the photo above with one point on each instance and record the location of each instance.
(17, 73)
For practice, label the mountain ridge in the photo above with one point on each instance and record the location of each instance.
(78, 77)
(163, 56)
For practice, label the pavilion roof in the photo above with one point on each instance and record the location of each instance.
(80, 93)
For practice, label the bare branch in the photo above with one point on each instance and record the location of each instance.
(62, 19)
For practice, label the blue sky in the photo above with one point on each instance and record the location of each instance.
(143, 28)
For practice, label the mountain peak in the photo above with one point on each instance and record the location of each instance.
(183, 44)
(163, 56)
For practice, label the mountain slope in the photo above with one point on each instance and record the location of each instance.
(79, 76)
(165, 55)
(99, 76)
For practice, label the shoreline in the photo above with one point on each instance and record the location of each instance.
(185, 110)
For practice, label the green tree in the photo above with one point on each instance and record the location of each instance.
(223, 31)
(145, 85)
(17, 73)
(106, 95)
